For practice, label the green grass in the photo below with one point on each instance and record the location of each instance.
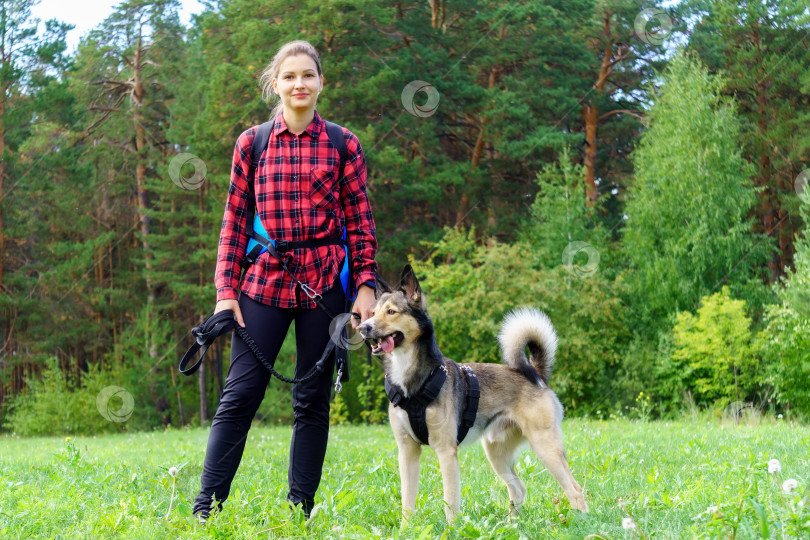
(665, 474)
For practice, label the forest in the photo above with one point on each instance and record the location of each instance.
(636, 170)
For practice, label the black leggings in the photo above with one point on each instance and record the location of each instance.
(244, 390)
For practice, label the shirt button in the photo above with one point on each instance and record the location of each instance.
(294, 177)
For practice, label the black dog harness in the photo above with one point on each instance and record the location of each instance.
(416, 404)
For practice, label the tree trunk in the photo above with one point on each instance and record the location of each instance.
(140, 181)
(591, 116)
(766, 198)
(179, 399)
(478, 151)
(3, 173)
(203, 400)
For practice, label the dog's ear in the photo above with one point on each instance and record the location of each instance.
(410, 286)
(382, 287)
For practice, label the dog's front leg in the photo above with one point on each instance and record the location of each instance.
(448, 464)
(409, 453)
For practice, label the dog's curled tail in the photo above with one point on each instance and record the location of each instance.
(528, 326)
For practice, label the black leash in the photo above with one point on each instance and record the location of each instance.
(225, 321)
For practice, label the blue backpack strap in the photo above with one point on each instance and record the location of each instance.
(260, 142)
(335, 133)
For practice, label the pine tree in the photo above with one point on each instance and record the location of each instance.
(758, 48)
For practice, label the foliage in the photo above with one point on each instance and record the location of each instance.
(753, 44)
(55, 405)
(714, 353)
(468, 298)
(786, 338)
(372, 401)
(559, 215)
(689, 228)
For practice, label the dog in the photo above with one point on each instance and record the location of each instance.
(515, 404)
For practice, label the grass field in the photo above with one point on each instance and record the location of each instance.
(676, 480)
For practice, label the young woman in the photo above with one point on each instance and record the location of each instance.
(298, 197)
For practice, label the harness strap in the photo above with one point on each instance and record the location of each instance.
(471, 409)
(416, 404)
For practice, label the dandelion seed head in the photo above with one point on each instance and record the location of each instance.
(628, 523)
(173, 471)
(774, 466)
(789, 485)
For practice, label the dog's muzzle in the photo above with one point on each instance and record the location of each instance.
(380, 344)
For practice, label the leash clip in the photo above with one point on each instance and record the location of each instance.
(338, 386)
(310, 292)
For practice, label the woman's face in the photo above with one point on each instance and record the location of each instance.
(298, 83)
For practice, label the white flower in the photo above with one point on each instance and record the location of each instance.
(780, 416)
(173, 471)
(628, 523)
(712, 510)
(789, 485)
(774, 466)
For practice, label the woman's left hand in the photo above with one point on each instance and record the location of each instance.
(363, 304)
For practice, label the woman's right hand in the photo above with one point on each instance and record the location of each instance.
(233, 305)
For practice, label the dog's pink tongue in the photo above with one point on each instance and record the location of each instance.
(387, 344)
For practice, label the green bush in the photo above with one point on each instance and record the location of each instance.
(469, 296)
(714, 351)
(51, 405)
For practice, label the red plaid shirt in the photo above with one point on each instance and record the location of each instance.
(298, 197)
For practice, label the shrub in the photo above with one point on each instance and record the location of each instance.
(786, 338)
(52, 405)
(469, 296)
(714, 353)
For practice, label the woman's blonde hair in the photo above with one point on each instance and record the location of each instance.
(270, 72)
